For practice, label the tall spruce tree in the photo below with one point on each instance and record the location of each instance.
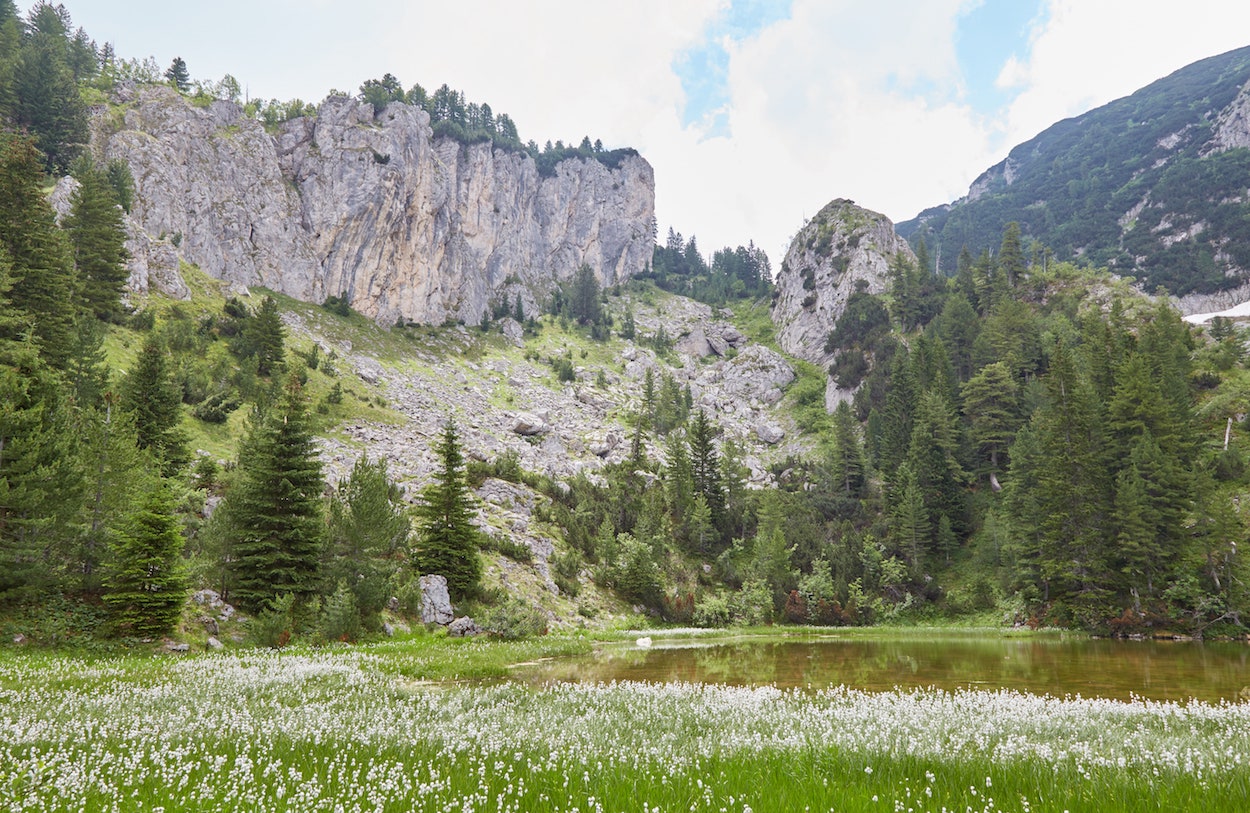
(178, 75)
(116, 472)
(584, 297)
(45, 286)
(98, 237)
(705, 467)
(40, 477)
(447, 541)
(368, 531)
(150, 393)
(275, 507)
(145, 580)
(48, 102)
(847, 466)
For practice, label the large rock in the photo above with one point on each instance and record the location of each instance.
(368, 206)
(528, 425)
(841, 246)
(464, 627)
(435, 601)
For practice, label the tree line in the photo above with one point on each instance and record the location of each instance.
(101, 499)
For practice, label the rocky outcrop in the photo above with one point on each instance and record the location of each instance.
(371, 207)
(1232, 125)
(842, 246)
(435, 601)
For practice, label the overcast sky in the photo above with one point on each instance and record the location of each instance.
(754, 113)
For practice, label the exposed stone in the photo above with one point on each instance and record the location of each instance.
(1232, 125)
(528, 425)
(841, 246)
(213, 643)
(695, 344)
(177, 646)
(435, 601)
(463, 627)
(769, 433)
(513, 331)
(371, 207)
(602, 447)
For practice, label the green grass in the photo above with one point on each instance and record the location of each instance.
(363, 728)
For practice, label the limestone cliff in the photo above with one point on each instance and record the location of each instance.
(840, 246)
(371, 207)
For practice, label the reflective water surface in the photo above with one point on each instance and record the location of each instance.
(1155, 670)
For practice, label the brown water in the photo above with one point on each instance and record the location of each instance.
(1155, 670)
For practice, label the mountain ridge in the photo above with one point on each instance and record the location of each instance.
(1152, 185)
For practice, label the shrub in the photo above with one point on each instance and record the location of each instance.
(753, 604)
(217, 407)
(505, 544)
(273, 627)
(513, 619)
(340, 618)
(711, 610)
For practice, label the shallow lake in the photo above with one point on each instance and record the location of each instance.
(1154, 670)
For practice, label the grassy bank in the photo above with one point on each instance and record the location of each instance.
(365, 729)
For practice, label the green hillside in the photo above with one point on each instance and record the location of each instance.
(1134, 185)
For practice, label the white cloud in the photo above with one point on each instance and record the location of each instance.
(844, 99)
(1093, 51)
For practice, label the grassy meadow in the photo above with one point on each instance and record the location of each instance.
(428, 724)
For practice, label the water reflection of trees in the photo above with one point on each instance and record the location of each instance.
(1149, 669)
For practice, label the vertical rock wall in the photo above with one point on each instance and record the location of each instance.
(372, 207)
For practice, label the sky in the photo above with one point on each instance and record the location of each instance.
(753, 113)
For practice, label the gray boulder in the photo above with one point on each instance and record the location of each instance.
(464, 627)
(435, 601)
(528, 425)
(769, 433)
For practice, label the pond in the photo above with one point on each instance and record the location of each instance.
(1043, 664)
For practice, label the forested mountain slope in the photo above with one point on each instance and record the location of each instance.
(1153, 186)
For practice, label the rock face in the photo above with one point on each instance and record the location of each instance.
(435, 601)
(347, 203)
(1232, 125)
(840, 247)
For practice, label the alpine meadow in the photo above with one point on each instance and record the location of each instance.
(368, 455)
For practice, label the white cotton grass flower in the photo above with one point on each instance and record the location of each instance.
(339, 730)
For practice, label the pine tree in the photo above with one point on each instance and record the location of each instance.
(266, 337)
(368, 531)
(150, 393)
(898, 418)
(48, 102)
(178, 75)
(910, 531)
(145, 582)
(98, 238)
(992, 407)
(848, 468)
(1074, 488)
(584, 297)
(276, 506)
(40, 475)
(115, 470)
(447, 541)
(679, 487)
(1011, 254)
(45, 286)
(705, 466)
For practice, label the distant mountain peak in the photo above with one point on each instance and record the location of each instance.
(1153, 185)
